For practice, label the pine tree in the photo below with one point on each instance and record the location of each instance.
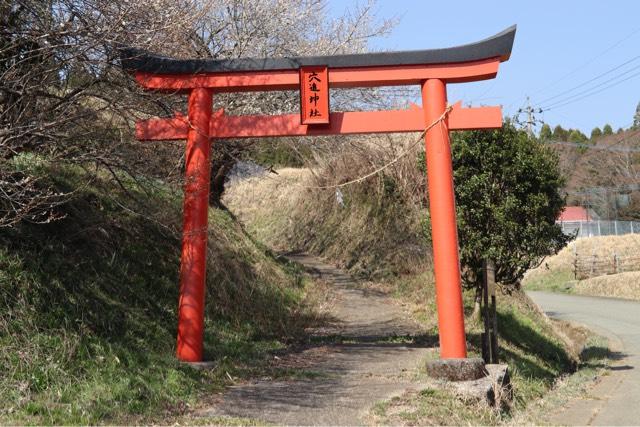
(607, 129)
(560, 134)
(545, 133)
(596, 133)
(577, 136)
(636, 118)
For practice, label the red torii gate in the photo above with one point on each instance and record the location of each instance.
(431, 69)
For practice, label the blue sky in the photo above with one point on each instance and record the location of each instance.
(559, 46)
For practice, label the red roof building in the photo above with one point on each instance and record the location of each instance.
(574, 213)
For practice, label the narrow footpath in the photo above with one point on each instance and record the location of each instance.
(615, 399)
(351, 374)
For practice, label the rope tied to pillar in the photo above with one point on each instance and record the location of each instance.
(413, 145)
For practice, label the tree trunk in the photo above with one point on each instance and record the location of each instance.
(221, 165)
(476, 315)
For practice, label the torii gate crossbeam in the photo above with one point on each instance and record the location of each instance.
(431, 69)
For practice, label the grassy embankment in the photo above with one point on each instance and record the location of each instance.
(379, 239)
(556, 273)
(88, 307)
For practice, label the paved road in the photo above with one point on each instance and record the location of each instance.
(616, 399)
(354, 375)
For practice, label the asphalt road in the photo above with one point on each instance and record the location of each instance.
(615, 400)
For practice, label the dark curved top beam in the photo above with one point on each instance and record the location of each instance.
(499, 45)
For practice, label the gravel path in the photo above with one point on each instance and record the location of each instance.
(366, 368)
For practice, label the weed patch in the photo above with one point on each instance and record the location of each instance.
(88, 307)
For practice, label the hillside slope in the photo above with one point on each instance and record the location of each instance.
(88, 306)
(597, 174)
(367, 228)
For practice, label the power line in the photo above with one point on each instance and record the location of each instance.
(583, 65)
(598, 56)
(590, 80)
(572, 99)
(596, 86)
(531, 118)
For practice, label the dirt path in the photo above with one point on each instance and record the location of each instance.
(615, 399)
(368, 366)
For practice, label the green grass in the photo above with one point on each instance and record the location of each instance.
(534, 351)
(545, 373)
(551, 281)
(88, 306)
(432, 406)
(529, 343)
(595, 360)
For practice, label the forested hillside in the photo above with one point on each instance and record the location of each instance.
(603, 172)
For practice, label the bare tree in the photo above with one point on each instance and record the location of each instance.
(275, 28)
(63, 97)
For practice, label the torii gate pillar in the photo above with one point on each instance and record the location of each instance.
(432, 69)
(444, 232)
(193, 263)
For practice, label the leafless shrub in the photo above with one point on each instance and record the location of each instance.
(596, 176)
(277, 28)
(64, 98)
(396, 155)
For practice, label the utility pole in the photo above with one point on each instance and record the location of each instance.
(531, 118)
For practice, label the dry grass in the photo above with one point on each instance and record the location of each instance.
(266, 204)
(87, 324)
(557, 272)
(622, 285)
(431, 406)
(539, 352)
(586, 169)
(378, 227)
(602, 247)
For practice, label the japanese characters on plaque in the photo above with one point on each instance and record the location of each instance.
(314, 95)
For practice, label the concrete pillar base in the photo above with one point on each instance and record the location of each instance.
(466, 369)
(201, 365)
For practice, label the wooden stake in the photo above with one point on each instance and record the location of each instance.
(490, 337)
